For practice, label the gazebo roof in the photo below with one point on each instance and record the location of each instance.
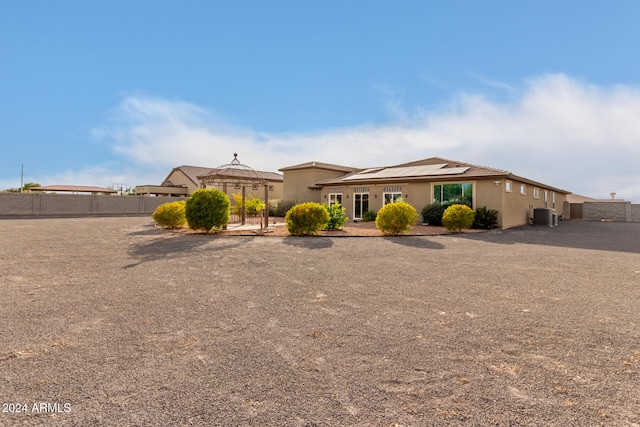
(234, 172)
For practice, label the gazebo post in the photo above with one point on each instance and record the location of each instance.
(244, 192)
(266, 206)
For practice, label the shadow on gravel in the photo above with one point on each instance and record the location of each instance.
(603, 236)
(413, 242)
(308, 242)
(179, 246)
(152, 231)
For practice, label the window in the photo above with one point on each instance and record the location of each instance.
(507, 186)
(446, 193)
(523, 189)
(392, 194)
(335, 196)
(553, 200)
(546, 199)
(536, 193)
(360, 202)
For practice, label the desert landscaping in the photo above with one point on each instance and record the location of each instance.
(114, 321)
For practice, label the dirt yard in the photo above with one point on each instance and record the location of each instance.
(113, 322)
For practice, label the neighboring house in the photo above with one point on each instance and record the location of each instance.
(300, 180)
(183, 180)
(424, 182)
(73, 189)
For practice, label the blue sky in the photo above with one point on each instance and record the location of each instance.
(98, 93)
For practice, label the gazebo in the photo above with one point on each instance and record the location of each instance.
(238, 176)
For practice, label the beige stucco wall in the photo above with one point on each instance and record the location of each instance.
(298, 181)
(417, 194)
(178, 178)
(278, 191)
(517, 208)
(513, 208)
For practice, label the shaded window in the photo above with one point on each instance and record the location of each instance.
(335, 198)
(451, 193)
(392, 197)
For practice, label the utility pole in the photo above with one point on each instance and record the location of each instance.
(22, 178)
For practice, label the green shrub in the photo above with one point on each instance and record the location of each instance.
(280, 208)
(307, 219)
(395, 218)
(337, 216)
(170, 214)
(432, 214)
(457, 217)
(486, 219)
(253, 205)
(369, 216)
(206, 209)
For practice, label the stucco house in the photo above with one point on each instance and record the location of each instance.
(184, 180)
(421, 183)
(300, 184)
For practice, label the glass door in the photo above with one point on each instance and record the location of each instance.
(360, 204)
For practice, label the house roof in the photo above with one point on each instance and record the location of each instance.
(73, 189)
(431, 169)
(319, 165)
(190, 172)
(577, 198)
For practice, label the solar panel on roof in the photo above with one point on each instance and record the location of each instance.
(399, 172)
(451, 171)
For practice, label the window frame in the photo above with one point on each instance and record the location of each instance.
(462, 184)
(334, 196)
(393, 191)
(393, 198)
(546, 199)
(356, 202)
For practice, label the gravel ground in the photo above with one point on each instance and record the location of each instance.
(112, 322)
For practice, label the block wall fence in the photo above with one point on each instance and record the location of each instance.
(37, 204)
(607, 211)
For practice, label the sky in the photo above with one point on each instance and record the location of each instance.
(121, 92)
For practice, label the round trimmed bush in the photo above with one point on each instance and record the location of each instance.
(170, 214)
(396, 218)
(307, 219)
(208, 209)
(457, 217)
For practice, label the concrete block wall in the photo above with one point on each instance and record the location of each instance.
(611, 211)
(16, 204)
(635, 213)
(36, 204)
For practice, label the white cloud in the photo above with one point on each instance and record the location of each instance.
(558, 130)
